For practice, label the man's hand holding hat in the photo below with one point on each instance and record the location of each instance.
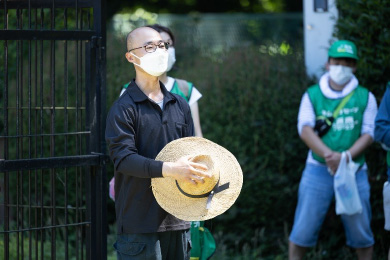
(186, 170)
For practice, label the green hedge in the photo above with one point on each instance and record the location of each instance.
(367, 24)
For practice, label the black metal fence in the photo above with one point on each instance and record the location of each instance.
(52, 102)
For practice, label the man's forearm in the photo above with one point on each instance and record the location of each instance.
(141, 167)
(314, 142)
(382, 131)
(360, 145)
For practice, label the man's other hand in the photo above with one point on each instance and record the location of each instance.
(332, 160)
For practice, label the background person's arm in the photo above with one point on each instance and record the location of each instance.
(332, 159)
(306, 122)
(366, 138)
(195, 117)
(382, 121)
(368, 126)
(360, 145)
(314, 142)
(193, 102)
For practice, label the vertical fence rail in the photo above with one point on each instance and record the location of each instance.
(52, 150)
(66, 129)
(4, 140)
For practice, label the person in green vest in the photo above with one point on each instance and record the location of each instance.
(382, 135)
(336, 115)
(203, 243)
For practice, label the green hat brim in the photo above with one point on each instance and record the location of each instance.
(344, 55)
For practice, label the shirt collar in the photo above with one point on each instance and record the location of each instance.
(139, 96)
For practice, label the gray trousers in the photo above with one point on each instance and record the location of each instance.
(154, 246)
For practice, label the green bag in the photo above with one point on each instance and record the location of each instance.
(203, 243)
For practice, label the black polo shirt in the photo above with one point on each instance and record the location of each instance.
(136, 131)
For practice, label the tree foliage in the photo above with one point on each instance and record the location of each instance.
(206, 6)
(367, 24)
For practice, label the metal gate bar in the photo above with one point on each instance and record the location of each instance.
(52, 161)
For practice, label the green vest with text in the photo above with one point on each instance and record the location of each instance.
(346, 127)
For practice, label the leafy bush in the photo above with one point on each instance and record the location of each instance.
(29, 245)
(367, 24)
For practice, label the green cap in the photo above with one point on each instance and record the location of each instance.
(343, 49)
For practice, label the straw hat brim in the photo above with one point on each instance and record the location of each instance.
(183, 207)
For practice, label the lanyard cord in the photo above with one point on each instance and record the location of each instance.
(342, 104)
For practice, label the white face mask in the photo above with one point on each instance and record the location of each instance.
(154, 63)
(340, 74)
(171, 58)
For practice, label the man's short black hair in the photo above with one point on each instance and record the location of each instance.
(161, 28)
(348, 60)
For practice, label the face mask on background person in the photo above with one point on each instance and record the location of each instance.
(340, 74)
(154, 63)
(171, 58)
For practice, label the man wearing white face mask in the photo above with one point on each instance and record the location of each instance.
(139, 124)
(337, 115)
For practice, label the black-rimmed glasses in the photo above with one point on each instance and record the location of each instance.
(151, 47)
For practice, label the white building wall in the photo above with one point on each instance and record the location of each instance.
(318, 35)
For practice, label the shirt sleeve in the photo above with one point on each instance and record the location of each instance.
(368, 123)
(306, 114)
(195, 96)
(120, 138)
(382, 121)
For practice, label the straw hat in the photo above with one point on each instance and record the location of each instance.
(202, 201)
